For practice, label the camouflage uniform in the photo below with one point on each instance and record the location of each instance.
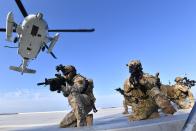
(127, 102)
(179, 94)
(143, 107)
(143, 94)
(80, 99)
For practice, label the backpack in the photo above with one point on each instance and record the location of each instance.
(89, 90)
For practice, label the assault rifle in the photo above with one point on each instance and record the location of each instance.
(189, 83)
(121, 91)
(55, 83)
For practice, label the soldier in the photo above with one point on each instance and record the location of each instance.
(79, 91)
(142, 92)
(127, 101)
(179, 93)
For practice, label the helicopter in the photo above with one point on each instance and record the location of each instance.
(32, 37)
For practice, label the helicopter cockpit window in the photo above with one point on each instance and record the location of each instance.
(34, 30)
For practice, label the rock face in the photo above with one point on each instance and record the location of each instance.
(105, 119)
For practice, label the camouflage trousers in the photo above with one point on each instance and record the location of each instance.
(144, 109)
(126, 103)
(183, 104)
(164, 104)
(81, 106)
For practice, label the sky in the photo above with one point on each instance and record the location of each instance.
(161, 34)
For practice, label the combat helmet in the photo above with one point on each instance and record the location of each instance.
(69, 69)
(69, 72)
(66, 69)
(178, 79)
(135, 65)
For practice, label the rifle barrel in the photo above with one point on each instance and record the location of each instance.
(42, 83)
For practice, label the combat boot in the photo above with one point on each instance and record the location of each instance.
(89, 119)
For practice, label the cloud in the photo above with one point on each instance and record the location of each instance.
(29, 100)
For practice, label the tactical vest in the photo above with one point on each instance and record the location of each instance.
(149, 81)
(89, 90)
(135, 93)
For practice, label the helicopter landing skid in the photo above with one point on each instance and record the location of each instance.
(19, 69)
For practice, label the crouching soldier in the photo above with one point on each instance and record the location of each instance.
(180, 92)
(142, 92)
(79, 92)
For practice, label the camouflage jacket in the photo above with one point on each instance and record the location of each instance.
(147, 87)
(150, 87)
(132, 94)
(177, 92)
(79, 85)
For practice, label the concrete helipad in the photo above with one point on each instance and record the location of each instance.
(105, 119)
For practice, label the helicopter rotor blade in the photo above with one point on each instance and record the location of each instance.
(4, 30)
(21, 7)
(71, 30)
(53, 55)
(11, 46)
